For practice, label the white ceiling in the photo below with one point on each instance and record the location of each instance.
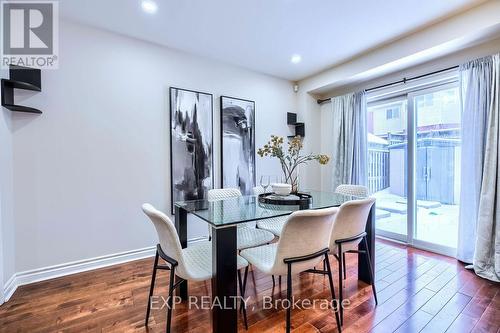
(262, 35)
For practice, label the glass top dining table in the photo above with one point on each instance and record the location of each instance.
(223, 216)
(222, 213)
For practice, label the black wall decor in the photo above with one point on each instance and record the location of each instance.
(291, 120)
(20, 78)
(237, 118)
(191, 145)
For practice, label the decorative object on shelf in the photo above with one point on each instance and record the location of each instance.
(238, 144)
(290, 160)
(191, 144)
(303, 200)
(291, 120)
(20, 78)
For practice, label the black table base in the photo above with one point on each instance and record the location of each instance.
(224, 285)
(181, 227)
(363, 267)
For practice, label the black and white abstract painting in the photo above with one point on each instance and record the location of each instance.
(238, 143)
(191, 144)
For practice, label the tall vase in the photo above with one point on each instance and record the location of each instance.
(293, 179)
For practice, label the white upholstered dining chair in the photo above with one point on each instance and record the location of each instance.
(272, 224)
(258, 190)
(246, 234)
(354, 190)
(303, 244)
(193, 263)
(347, 232)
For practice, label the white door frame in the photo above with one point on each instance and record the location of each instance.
(438, 83)
(2, 282)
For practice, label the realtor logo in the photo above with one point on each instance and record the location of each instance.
(30, 34)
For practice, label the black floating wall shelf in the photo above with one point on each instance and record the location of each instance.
(291, 120)
(20, 78)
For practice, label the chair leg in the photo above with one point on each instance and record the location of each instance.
(242, 302)
(151, 288)
(343, 262)
(332, 291)
(245, 279)
(289, 297)
(370, 268)
(170, 297)
(240, 283)
(279, 280)
(341, 310)
(274, 282)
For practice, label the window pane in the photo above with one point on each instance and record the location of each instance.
(438, 166)
(387, 166)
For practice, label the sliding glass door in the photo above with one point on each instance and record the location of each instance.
(437, 166)
(414, 165)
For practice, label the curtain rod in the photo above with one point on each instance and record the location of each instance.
(404, 80)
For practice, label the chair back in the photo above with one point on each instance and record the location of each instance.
(226, 193)
(258, 190)
(350, 221)
(304, 233)
(167, 234)
(355, 190)
(223, 193)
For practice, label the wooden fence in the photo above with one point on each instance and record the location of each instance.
(378, 169)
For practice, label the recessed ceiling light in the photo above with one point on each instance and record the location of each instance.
(296, 58)
(149, 6)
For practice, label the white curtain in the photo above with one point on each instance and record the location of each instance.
(349, 152)
(475, 82)
(479, 222)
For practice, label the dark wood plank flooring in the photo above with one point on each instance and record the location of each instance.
(418, 291)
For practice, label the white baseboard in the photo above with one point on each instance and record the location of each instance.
(51, 272)
(9, 288)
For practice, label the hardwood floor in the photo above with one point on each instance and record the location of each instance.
(417, 291)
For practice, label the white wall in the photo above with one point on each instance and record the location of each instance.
(7, 226)
(308, 113)
(83, 168)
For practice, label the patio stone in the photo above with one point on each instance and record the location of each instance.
(392, 207)
(423, 203)
(382, 214)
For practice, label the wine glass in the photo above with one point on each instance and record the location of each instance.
(264, 182)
